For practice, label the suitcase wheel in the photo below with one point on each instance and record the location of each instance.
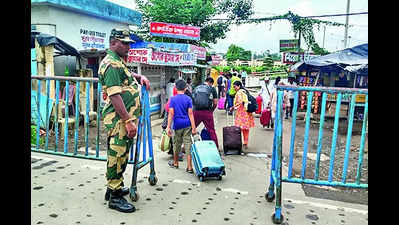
(201, 178)
(220, 177)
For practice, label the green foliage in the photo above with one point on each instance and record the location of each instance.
(301, 25)
(268, 62)
(275, 57)
(235, 52)
(318, 50)
(195, 13)
(33, 136)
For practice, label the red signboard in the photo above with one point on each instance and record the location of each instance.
(174, 31)
(216, 59)
(137, 56)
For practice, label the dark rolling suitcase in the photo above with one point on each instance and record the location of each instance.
(206, 159)
(232, 141)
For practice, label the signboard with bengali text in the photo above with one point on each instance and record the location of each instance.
(199, 51)
(216, 59)
(138, 55)
(174, 31)
(152, 57)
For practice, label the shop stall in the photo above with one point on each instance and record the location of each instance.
(346, 69)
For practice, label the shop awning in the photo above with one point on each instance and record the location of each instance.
(45, 39)
(296, 66)
(357, 55)
(358, 68)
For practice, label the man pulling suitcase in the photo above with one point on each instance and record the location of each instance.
(204, 104)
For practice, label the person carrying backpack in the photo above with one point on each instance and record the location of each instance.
(204, 103)
(243, 118)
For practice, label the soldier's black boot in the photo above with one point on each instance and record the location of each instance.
(117, 202)
(124, 190)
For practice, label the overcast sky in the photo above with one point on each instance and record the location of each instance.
(265, 36)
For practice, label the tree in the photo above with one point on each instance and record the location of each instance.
(195, 13)
(235, 52)
(276, 57)
(268, 62)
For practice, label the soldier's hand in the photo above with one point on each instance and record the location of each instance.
(146, 82)
(131, 129)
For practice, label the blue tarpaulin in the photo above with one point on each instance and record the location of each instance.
(355, 56)
(358, 55)
(43, 102)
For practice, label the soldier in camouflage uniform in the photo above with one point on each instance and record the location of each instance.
(120, 115)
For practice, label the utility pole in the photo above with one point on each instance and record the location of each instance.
(324, 35)
(346, 24)
(299, 45)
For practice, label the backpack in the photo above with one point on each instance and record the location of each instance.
(188, 93)
(202, 97)
(220, 81)
(252, 104)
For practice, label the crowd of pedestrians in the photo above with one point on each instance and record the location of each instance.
(187, 108)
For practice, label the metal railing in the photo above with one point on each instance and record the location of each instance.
(51, 115)
(276, 177)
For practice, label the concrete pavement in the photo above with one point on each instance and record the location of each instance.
(71, 191)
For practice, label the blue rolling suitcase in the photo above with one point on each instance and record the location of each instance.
(206, 159)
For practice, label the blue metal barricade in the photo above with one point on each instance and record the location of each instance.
(45, 112)
(276, 177)
(144, 138)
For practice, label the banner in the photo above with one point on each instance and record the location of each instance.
(137, 55)
(151, 57)
(174, 31)
(199, 51)
(172, 47)
(216, 59)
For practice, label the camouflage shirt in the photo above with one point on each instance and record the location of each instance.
(115, 78)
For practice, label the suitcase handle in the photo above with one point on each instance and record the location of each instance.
(195, 137)
(227, 118)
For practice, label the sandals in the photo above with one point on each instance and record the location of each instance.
(171, 164)
(189, 171)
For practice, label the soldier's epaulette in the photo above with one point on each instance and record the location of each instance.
(116, 64)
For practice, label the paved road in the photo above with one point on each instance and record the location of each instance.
(71, 191)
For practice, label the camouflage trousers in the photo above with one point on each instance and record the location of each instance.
(117, 158)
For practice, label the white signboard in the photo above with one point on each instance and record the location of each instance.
(92, 39)
(293, 57)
